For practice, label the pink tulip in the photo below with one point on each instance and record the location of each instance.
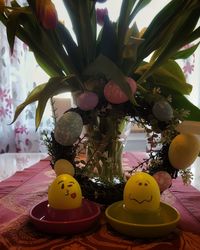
(46, 13)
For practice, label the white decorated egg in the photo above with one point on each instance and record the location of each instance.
(68, 128)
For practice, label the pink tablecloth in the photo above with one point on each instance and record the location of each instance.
(25, 189)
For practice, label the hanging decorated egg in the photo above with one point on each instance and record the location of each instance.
(114, 94)
(63, 166)
(141, 194)
(163, 179)
(64, 193)
(183, 150)
(87, 100)
(68, 128)
(162, 110)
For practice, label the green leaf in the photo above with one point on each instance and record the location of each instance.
(179, 101)
(55, 86)
(70, 45)
(50, 68)
(103, 65)
(184, 54)
(32, 97)
(87, 37)
(123, 23)
(156, 31)
(168, 75)
(108, 43)
(140, 5)
(179, 39)
(11, 25)
(43, 92)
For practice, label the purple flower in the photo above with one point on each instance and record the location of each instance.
(101, 14)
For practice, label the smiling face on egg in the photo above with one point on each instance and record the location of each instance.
(141, 193)
(64, 193)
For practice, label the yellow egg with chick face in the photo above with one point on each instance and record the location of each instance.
(142, 194)
(65, 193)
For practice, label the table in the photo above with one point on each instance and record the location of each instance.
(26, 188)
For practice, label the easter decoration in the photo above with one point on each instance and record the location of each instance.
(65, 211)
(140, 213)
(117, 73)
(63, 166)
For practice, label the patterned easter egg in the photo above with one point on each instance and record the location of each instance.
(68, 128)
(87, 100)
(162, 110)
(115, 95)
(163, 179)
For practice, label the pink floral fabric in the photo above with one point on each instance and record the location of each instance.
(16, 80)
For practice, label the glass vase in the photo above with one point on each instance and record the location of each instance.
(106, 138)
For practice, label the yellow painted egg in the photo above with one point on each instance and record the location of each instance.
(64, 193)
(183, 150)
(142, 194)
(63, 166)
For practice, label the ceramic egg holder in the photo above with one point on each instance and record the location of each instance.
(141, 214)
(65, 211)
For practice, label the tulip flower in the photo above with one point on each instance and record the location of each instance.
(46, 13)
(2, 4)
(101, 13)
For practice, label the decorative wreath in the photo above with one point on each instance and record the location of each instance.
(119, 72)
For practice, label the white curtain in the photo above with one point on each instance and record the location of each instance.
(16, 80)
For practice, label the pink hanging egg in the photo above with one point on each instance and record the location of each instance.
(163, 179)
(114, 94)
(87, 100)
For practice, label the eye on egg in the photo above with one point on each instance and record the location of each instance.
(141, 193)
(65, 193)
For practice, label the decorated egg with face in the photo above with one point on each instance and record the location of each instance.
(64, 193)
(141, 193)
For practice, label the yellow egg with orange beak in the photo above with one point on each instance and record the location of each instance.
(65, 193)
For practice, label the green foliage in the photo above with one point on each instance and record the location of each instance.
(118, 51)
